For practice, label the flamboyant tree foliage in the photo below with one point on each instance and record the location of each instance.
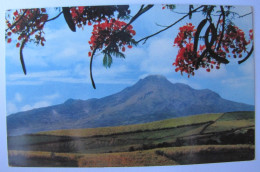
(208, 45)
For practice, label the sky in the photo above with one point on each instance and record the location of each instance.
(60, 70)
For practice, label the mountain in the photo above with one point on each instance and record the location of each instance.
(150, 99)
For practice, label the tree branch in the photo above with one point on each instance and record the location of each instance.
(54, 17)
(138, 14)
(223, 27)
(248, 55)
(245, 15)
(21, 56)
(90, 67)
(147, 37)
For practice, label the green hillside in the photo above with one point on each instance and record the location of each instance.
(169, 123)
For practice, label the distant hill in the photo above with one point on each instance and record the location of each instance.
(150, 99)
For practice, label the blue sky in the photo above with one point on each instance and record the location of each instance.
(60, 70)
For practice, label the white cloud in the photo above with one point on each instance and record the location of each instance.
(36, 105)
(44, 102)
(68, 52)
(36, 78)
(16, 83)
(34, 56)
(161, 55)
(49, 74)
(135, 55)
(18, 97)
(72, 49)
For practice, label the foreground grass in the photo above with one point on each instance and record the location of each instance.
(152, 157)
(195, 139)
(209, 153)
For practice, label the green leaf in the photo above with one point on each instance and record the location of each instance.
(171, 6)
(107, 60)
(117, 54)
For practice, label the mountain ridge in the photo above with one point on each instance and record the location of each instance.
(150, 99)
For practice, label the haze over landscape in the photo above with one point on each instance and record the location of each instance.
(150, 99)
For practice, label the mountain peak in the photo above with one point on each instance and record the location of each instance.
(69, 101)
(154, 79)
(159, 77)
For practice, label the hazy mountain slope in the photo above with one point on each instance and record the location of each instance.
(150, 99)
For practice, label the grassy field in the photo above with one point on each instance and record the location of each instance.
(195, 139)
(128, 128)
(152, 157)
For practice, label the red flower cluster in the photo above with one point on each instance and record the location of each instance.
(32, 22)
(77, 15)
(184, 59)
(185, 56)
(186, 32)
(188, 61)
(234, 41)
(91, 14)
(112, 34)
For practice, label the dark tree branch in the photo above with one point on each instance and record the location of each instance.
(223, 27)
(197, 34)
(21, 56)
(54, 17)
(138, 14)
(68, 18)
(209, 44)
(160, 25)
(147, 37)
(245, 15)
(248, 55)
(90, 67)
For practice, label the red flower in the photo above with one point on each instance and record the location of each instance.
(9, 40)
(18, 45)
(81, 9)
(89, 54)
(133, 32)
(43, 10)
(123, 49)
(202, 47)
(16, 13)
(9, 33)
(130, 46)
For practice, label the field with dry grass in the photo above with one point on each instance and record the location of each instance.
(195, 139)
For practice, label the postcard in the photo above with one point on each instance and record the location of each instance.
(130, 85)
